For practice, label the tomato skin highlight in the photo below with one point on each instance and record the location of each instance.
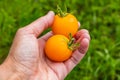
(56, 48)
(65, 25)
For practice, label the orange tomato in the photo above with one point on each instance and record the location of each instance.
(56, 48)
(65, 25)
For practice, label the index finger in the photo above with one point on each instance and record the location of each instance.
(38, 26)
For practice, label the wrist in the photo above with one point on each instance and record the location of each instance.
(5, 71)
(9, 72)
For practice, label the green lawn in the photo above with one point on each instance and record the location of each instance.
(100, 17)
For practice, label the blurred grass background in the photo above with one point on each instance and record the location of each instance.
(100, 17)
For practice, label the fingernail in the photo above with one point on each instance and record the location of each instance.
(50, 13)
(79, 24)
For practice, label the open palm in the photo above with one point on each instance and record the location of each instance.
(27, 53)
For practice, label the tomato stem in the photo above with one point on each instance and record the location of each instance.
(60, 12)
(72, 45)
(71, 40)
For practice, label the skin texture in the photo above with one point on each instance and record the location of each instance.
(65, 25)
(26, 59)
(56, 48)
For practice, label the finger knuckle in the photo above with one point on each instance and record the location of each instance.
(45, 21)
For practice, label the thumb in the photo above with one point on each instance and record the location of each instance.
(39, 25)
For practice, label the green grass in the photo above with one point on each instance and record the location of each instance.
(100, 17)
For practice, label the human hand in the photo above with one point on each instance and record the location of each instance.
(27, 60)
